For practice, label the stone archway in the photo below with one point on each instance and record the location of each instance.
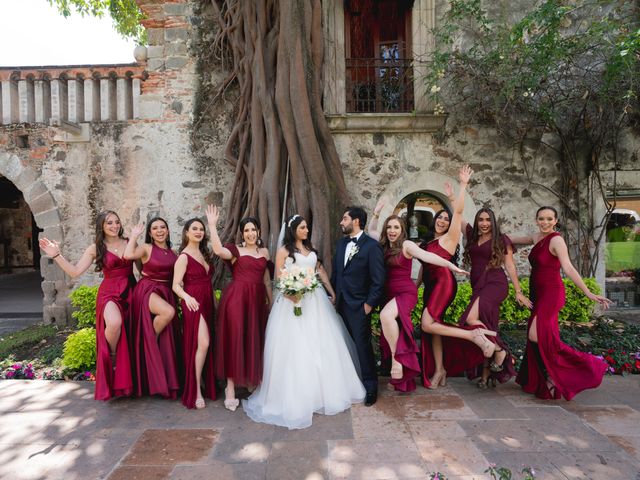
(47, 217)
(428, 182)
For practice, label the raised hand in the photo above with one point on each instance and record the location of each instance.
(213, 214)
(465, 174)
(137, 230)
(448, 190)
(51, 248)
(382, 201)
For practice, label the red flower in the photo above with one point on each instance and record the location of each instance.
(609, 359)
(610, 350)
(637, 364)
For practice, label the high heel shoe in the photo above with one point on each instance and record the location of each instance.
(494, 366)
(439, 379)
(488, 348)
(200, 403)
(231, 404)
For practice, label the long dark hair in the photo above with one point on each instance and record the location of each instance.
(101, 248)
(204, 243)
(497, 242)
(289, 241)
(256, 223)
(147, 235)
(555, 213)
(431, 234)
(396, 247)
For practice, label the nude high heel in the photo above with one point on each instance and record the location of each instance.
(488, 348)
(439, 379)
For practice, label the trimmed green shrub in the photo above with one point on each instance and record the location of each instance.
(578, 307)
(80, 350)
(83, 300)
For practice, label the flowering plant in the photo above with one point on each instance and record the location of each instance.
(297, 281)
(19, 370)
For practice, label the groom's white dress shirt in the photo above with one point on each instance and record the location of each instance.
(350, 246)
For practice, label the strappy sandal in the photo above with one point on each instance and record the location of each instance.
(438, 380)
(482, 384)
(200, 403)
(494, 366)
(488, 348)
(231, 404)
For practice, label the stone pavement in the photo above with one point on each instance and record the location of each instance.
(55, 430)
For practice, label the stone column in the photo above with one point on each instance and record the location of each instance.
(76, 100)
(26, 95)
(42, 101)
(423, 18)
(59, 104)
(91, 100)
(10, 106)
(107, 99)
(124, 107)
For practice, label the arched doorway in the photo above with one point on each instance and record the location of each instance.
(418, 209)
(20, 279)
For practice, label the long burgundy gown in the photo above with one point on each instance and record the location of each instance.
(242, 321)
(197, 283)
(491, 287)
(570, 371)
(154, 360)
(440, 288)
(116, 287)
(400, 286)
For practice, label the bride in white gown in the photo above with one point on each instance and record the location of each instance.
(309, 359)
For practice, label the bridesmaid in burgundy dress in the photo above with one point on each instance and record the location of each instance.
(464, 347)
(243, 308)
(402, 295)
(113, 370)
(487, 250)
(550, 368)
(153, 308)
(192, 276)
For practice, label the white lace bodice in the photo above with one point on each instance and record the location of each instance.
(302, 261)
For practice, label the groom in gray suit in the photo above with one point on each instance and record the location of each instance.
(357, 277)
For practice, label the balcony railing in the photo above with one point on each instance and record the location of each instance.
(377, 85)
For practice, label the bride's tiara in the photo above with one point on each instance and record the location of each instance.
(291, 220)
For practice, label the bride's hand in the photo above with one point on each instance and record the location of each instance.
(332, 299)
(294, 298)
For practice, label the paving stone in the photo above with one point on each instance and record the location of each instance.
(50, 462)
(608, 420)
(248, 471)
(378, 471)
(456, 456)
(436, 407)
(435, 429)
(26, 428)
(244, 444)
(630, 444)
(324, 427)
(516, 461)
(140, 473)
(300, 459)
(170, 447)
(594, 465)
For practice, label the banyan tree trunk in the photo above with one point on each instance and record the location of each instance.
(276, 51)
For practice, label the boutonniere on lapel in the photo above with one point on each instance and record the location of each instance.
(354, 251)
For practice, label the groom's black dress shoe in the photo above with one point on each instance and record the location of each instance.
(370, 399)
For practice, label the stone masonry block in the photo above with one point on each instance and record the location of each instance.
(42, 203)
(155, 52)
(34, 190)
(55, 314)
(26, 177)
(176, 34)
(155, 36)
(176, 63)
(150, 107)
(48, 218)
(176, 49)
(54, 232)
(11, 166)
(155, 64)
(172, 9)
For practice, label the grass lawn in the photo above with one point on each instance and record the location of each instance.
(623, 256)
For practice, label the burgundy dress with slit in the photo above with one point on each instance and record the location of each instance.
(489, 287)
(116, 287)
(154, 359)
(569, 370)
(400, 286)
(440, 288)
(242, 320)
(197, 283)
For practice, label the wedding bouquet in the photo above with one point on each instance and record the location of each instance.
(296, 281)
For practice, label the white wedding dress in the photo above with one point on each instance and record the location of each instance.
(308, 362)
